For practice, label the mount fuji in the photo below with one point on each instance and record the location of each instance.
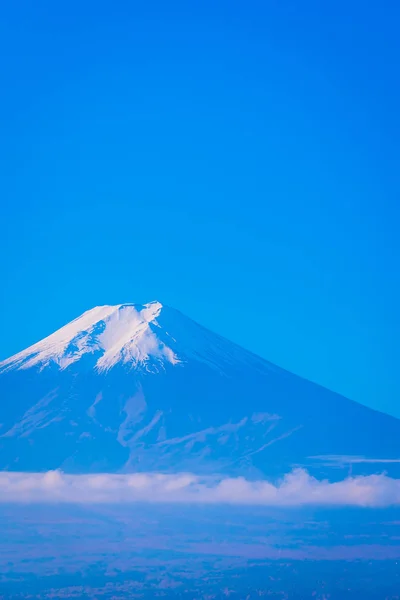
(133, 387)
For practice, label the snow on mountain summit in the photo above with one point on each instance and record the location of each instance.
(124, 333)
(142, 336)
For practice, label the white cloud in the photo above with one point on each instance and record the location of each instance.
(295, 489)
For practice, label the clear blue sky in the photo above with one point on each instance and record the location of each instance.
(236, 160)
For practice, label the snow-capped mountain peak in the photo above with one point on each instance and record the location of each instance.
(124, 333)
(138, 387)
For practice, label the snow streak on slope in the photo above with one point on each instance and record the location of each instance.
(115, 334)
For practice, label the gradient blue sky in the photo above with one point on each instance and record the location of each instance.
(236, 160)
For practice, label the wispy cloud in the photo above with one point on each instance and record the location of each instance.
(344, 459)
(295, 489)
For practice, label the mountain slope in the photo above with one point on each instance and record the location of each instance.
(142, 387)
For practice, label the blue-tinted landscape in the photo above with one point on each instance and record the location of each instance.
(143, 551)
(199, 307)
(144, 456)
